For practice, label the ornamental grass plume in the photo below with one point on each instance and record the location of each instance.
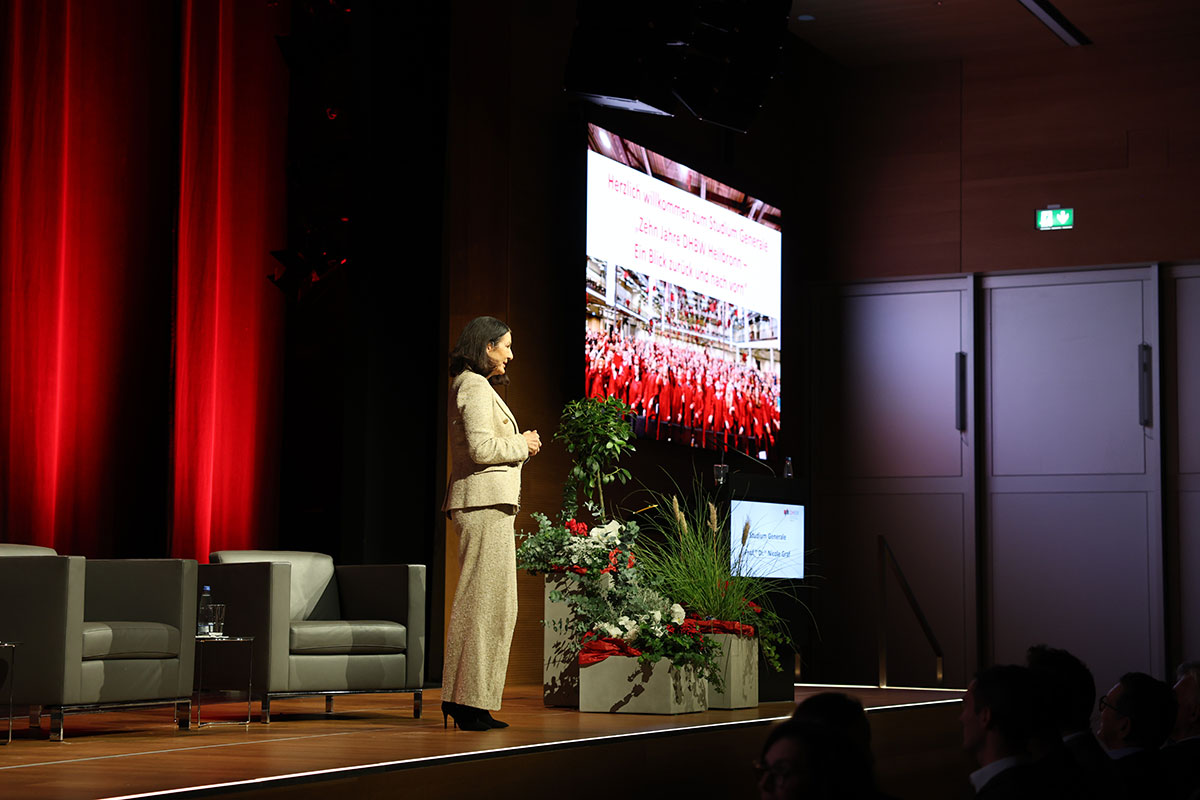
(597, 575)
(688, 558)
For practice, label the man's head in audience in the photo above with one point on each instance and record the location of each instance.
(1069, 684)
(840, 712)
(804, 758)
(997, 714)
(1138, 712)
(1187, 696)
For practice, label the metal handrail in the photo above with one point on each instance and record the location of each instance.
(886, 556)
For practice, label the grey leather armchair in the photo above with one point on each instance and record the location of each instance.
(321, 629)
(97, 634)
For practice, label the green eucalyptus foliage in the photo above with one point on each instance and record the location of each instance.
(600, 583)
(596, 433)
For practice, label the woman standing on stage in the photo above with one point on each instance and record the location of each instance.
(487, 453)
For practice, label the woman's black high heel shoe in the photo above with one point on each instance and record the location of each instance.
(491, 721)
(465, 717)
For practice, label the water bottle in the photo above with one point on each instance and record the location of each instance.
(787, 467)
(204, 613)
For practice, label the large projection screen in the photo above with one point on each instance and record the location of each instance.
(683, 299)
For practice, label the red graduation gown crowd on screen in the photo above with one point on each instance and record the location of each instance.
(684, 394)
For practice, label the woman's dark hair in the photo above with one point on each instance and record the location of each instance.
(471, 351)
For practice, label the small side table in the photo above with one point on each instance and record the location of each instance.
(11, 678)
(205, 642)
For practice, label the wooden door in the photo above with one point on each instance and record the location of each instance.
(893, 457)
(1072, 545)
(1181, 405)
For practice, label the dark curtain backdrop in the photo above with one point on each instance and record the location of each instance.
(141, 190)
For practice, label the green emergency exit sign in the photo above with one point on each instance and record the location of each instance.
(1055, 219)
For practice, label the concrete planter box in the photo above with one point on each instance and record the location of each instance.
(739, 667)
(623, 685)
(560, 662)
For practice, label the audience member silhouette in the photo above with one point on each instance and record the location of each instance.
(1136, 716)
(1181, 756)
(1029, 729)
(805, 758)
(1063, 744)
(841, 712)
(997, 720)
(845, 716)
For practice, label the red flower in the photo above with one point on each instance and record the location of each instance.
(578, 569)
(630, 565)
(755, 607)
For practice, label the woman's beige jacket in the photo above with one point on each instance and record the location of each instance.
(487, 449)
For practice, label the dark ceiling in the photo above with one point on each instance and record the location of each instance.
(860, 33)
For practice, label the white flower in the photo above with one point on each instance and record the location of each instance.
(631, 628)
(608, 535)
(608, 629)
(609, 528)
(656, 615)
(677, 614)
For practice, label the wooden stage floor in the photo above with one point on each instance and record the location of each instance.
(371, 746)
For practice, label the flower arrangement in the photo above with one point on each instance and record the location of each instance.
(571, 547)
(690, 560)
(613, 613)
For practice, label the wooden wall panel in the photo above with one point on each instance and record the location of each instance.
(476, 211)
(941, 167)
(896, 185)
(1089, 129)
(509, 223)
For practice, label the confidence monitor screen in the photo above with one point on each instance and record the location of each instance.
(774, 547)
(683, 299)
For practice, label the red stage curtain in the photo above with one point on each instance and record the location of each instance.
(99, 404)
(229, 317)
